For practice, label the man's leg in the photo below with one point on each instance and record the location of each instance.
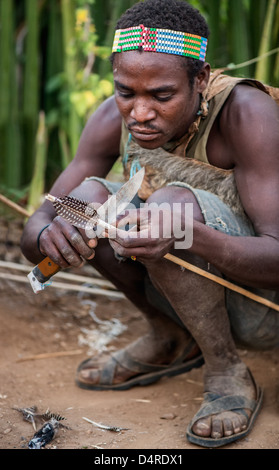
(200, 304)
(165, 341)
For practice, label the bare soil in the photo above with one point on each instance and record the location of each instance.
(154, 417)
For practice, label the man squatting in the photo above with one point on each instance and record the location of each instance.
(171, 103)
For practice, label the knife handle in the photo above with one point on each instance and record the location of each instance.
(45, 270)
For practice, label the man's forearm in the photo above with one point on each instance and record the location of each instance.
(34, 226)
(97, 151)
(252, 261)
(67, 181)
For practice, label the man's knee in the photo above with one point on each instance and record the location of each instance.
(176, 195)
(253, 327)
(91, 191)
(260, 339)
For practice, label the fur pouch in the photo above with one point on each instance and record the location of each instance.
(162, 167)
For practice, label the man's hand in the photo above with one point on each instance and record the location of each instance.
(150, 235)
(66, 245)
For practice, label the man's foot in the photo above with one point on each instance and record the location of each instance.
(231, 401)
(147, 359)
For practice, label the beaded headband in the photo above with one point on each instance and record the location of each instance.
(160, 40)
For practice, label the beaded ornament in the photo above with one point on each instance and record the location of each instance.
(160, 40)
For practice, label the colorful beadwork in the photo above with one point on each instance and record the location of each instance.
(160, 40)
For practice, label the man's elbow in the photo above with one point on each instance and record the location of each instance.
(26, 248)
(28, 245)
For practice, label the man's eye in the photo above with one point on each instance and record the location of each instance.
(163, 97)
(125, 94)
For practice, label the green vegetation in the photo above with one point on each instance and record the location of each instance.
(55, 71)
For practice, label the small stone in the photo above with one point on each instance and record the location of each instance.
(168, 416)
(6, 431)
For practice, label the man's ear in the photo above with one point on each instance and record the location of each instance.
(202, 78)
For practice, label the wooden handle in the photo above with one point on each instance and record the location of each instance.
(45, 270)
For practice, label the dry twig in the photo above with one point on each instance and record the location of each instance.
(51, 355)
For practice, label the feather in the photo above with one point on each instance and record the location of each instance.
(76, 211)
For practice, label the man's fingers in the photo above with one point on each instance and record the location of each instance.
(92, 243)
(82, 246)
(65, 245)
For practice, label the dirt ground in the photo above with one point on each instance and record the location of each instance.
(153, 417)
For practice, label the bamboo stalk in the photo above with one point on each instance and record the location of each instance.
(53, 67)
(38, 179)
(257, 12)
(263, 67)
(9, 137)
(70, 68)
(14, 156)
(238, 34)
(214, 21)
(276, 71)
(54, 50)
(31, 85)
(6, 9)
(275, 77)
(31, 78)
(64, 148)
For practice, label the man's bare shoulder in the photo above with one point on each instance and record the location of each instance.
(245, 99)
(249, 125)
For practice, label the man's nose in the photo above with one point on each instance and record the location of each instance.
(142, 111)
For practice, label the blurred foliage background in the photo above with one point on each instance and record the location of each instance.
(55, 71)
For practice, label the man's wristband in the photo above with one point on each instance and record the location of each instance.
(38, 238)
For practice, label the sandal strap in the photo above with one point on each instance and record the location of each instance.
(108, 371)
(124, 359)
(217, 405)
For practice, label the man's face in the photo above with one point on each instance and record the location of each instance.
(154, 97)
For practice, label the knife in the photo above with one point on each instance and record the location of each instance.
(81, 214)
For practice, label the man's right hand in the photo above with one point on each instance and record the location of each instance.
(66, 245)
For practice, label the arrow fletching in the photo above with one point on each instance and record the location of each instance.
(81, 214)
(76, 211)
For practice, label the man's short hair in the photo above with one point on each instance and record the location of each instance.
(177, 15)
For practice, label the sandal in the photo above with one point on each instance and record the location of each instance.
(145, 373)
(214, 404)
